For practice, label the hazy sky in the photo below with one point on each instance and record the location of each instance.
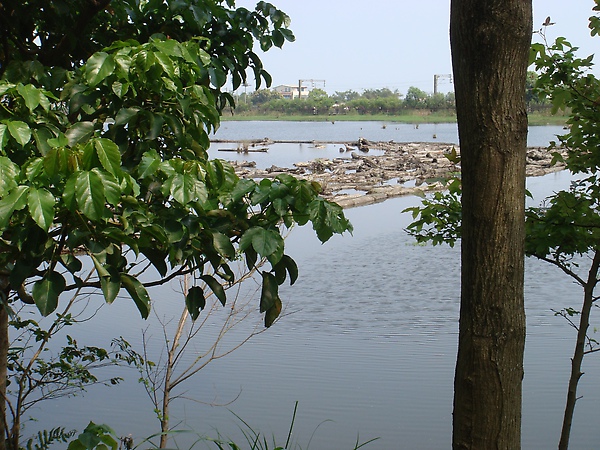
(395, 44)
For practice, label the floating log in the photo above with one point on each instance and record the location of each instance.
(245, 150)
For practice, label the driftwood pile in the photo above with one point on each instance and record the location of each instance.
(402, 169)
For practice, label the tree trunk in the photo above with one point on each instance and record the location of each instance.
(490, 42)
(579, 352)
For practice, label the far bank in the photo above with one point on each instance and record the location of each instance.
(536, 118)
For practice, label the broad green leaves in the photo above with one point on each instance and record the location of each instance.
(33, 97)
(266, 243)
(223, 245)
(138, 293)
(270, 303)
(8, 175)
(438, 218)
(20, 132)
(195, 301)
(106, 159)
(89, 194)
(186, 188)
(99, 67)
(41, 206)
(14, 201)
(47, 290)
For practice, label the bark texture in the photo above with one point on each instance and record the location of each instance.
(490, 42)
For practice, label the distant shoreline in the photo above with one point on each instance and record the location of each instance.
(535, 119)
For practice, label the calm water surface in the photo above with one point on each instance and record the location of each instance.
(351, 131)
(367, 347)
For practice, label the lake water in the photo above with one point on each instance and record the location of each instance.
(367, 346)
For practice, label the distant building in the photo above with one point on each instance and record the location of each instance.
(290, 91)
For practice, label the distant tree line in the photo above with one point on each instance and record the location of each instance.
(318, 102)
(369, 102)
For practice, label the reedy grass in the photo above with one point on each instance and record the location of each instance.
(254, 440)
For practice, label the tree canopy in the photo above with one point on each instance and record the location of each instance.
(105, 113)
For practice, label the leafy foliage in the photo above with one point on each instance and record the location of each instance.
(114, 167)
(95, 437)
(44, 439)
(106, 108)
(438, 218)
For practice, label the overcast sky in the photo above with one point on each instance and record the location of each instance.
(395, 44)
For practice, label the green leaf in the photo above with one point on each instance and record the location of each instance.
(69, 196)
(278, 38)
(217, 76)
(72, 263)
(149, 164)
(223, 245)
(169, 47)
(270, 303)
(270, 291)
(138, 294)
(98, 67)
(46, 291)
(110, 286)
(265, 242)
(109, 155)
(157, 258)
(195, 301)
(20, 131)
(120, 89)
(42, 136)
(34, 168)
(56, 162)
(59, 141)
(16, 200)
(286, 264)
(242, 188)
(89, 193)
(144, 60)
(112, 189)
(273, 312)
(31, 95)
(166, 63)
(327, 218)
(251, 257)
(3, 135)
(100, 269)
(80, 132)
(125, 115)
(156, 125)
(186, 188)
(41, 207)
(216, 287)
(95, 437)
(8, 175)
